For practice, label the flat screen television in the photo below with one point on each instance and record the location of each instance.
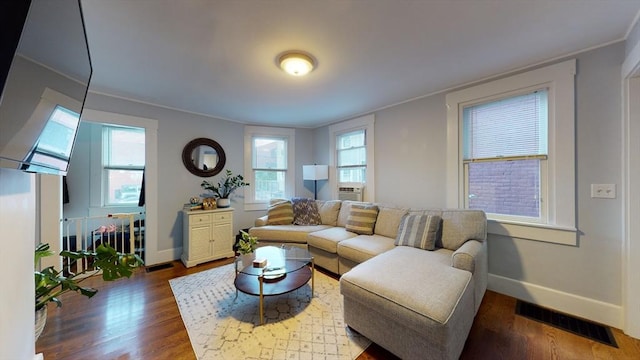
(45, 69)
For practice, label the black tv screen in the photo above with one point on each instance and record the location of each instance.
(46, 83)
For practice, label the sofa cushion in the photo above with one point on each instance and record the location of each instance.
(362, 219)
(387, 283)
(458, 226)
(388, 221)
(418, 231)
(305, 212)
(285, 233)
(328, 239)
(363, 247)
(280, 213)
(329, 211)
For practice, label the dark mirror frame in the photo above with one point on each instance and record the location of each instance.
(188, 161)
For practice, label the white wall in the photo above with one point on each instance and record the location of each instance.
(584, 280)
(17, 226)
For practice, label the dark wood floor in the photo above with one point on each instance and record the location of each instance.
(138, 319)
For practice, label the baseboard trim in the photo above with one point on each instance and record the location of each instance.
(164, 256)
(594, 310)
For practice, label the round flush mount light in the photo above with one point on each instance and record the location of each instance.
(296, 63)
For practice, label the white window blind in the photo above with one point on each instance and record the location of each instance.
(511, 127)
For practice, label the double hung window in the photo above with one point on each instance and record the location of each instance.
(269, 165)
(123, 159)
(511, 153)
(505, 154)
(352, 157)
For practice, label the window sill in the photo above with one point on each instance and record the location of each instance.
(539, 232)
(256, 206)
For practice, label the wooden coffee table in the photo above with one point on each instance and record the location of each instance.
(288, 268)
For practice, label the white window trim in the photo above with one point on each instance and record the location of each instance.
(367, 123)
(559, 79)
(250, 204)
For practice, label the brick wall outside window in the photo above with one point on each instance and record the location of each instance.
(505, 187)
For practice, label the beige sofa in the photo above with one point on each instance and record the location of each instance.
(415, 303)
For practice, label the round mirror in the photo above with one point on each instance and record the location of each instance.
(203, 157)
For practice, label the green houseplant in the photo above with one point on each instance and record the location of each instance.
(50, 283)
(225, 186)
(247, 245)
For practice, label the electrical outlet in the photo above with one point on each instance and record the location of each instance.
(605, 191)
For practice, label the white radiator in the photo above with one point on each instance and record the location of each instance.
(353, 193)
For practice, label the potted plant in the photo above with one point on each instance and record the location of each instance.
(225, 187)
(50, 283)
(246, 247)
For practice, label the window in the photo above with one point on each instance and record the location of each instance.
(503, 177)
(123, 158)
(352, 144)
(269, 167)
(53, 148)
(352, 157)
(510, 152)
(269, 164)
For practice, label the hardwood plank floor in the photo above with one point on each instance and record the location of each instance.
(138, 318)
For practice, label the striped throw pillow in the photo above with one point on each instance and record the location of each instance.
(280, 213)
(419, 231)
(362, 219)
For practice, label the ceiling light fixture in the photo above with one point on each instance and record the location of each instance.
(296, 63)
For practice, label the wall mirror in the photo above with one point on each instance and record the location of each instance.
(203, 157)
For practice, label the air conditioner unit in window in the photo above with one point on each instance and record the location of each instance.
(348, 192)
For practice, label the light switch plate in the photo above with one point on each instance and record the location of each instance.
(604, 191)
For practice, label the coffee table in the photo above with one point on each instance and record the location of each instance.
(288, 268)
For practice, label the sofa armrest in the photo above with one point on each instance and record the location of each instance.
(261, 221)
(467, 255)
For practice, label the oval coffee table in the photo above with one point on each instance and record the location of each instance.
(288, 268)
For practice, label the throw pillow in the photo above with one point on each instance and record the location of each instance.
(362, 219)
(305, 212)
(280, 213)
(419, 231)
(328, 211)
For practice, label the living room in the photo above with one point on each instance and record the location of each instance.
(588, 278)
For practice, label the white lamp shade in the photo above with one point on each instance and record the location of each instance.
(315, 172)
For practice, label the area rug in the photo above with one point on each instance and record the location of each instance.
(297, 326)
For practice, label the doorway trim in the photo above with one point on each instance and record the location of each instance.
(151, 172)
(631, 192)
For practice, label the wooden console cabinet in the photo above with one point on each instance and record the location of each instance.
(206, 235)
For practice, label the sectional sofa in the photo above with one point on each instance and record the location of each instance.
(412, 279)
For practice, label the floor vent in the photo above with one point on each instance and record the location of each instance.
(153, 268)
(568, 323)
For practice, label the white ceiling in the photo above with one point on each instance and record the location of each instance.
(218, 57)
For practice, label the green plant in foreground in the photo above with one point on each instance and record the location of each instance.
(247, 244)
(51, 283)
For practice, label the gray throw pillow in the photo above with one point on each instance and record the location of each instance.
(419, 231)
(305, 212)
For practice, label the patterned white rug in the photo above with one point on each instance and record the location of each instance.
(221, 326)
